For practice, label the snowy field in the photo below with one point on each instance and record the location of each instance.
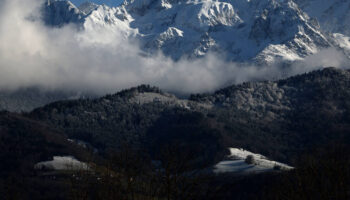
(62, 163)
(236, 163)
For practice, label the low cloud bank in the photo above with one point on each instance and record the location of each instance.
(34, 55)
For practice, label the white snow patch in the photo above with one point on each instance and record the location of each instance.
(237, 163)
(273, 52)
(62, 163)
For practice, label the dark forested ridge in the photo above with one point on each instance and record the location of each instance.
(128, 133)
(278, 119)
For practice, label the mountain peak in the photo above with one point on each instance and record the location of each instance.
(87, 7)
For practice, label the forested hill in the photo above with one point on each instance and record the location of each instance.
(278, 119)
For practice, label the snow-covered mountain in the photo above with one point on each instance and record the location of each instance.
(333, 16)
(242, 30)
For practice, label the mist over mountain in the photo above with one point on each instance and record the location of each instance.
(27, 99)
(183, 47)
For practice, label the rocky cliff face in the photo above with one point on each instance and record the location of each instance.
(58, 13)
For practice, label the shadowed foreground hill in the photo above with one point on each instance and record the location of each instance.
(24, 142)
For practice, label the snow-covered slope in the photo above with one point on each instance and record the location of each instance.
(333, 17)
(242, 30)
(236, 163)
(62, 163)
